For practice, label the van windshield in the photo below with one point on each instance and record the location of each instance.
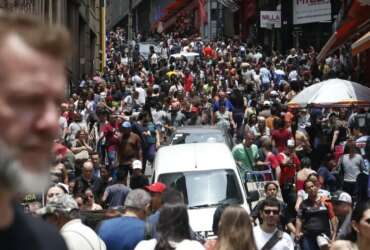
(181, 138)
(205, 188)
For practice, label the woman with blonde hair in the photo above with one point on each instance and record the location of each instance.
(235, 230)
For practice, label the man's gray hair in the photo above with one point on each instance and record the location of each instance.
(137, 199)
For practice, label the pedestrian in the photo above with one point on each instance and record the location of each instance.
(115, 194)
(89, 201)
(342, 204)
(129, 147)
(235, 230)
(267, 235)
(359, 239)
(138, 180)
(271, 190)
(350, 165)
(156, 189)
(88, 180)
(126, 231)
(56, 190)
(246, 153)
(29, 122)
(316, 223)
(62, 211)
(173, 230)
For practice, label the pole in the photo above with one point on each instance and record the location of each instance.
(102, 35)
(273, 37)
(130, 35)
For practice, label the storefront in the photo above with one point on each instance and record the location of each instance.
(353, 30)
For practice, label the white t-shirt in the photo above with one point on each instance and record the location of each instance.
(321, 193)
(142, 95)
(293, 75)
(78, 236)
(261, 238)
(154, 59)
(63, 124)
(183, 245)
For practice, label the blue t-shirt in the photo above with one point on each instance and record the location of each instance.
(228, 105)
(153, 221)
(122, 233)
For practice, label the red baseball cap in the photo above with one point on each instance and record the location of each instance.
(194, 109)
(157, 187)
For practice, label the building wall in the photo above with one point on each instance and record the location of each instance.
(117, 10)
(81, 17)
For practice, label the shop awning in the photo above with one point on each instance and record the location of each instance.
(174, 9)
(357, 16)
(361, 44)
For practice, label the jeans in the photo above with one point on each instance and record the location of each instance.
(309, 243)
(351, 189)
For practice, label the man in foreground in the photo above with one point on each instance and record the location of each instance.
(32, 80)
(267, 235)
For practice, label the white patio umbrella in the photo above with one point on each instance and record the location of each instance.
(332, 93)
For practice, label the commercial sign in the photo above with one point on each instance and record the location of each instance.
(270, 18)
(311, 11)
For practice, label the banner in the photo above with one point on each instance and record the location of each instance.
(269, 18)
(311, 11)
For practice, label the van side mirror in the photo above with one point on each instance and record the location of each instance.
(253, 196)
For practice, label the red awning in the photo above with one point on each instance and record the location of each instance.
(357, 16)
(174, 6)
(172, 10)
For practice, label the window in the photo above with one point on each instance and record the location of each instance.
(205, 188)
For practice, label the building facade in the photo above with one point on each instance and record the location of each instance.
(81, 17)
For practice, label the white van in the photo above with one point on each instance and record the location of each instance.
(206, 174)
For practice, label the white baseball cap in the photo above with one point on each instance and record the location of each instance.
(137, 165)
(342, 196)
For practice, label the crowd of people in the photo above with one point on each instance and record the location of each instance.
(113, 122)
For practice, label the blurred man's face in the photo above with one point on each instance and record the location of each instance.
(248, 139)
(341, 208)
(32, 87)
(87, 171)
(270, 215)
(156, 202)
(95, 159)
(104, 174)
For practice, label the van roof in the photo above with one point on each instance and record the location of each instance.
(193, 157)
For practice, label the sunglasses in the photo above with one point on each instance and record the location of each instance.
(269, 211)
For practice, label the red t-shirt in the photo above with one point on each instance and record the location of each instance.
(188, 83)
(108, 131)
(208, 51)
(272, 159)
(288, 172)
(281, 136)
